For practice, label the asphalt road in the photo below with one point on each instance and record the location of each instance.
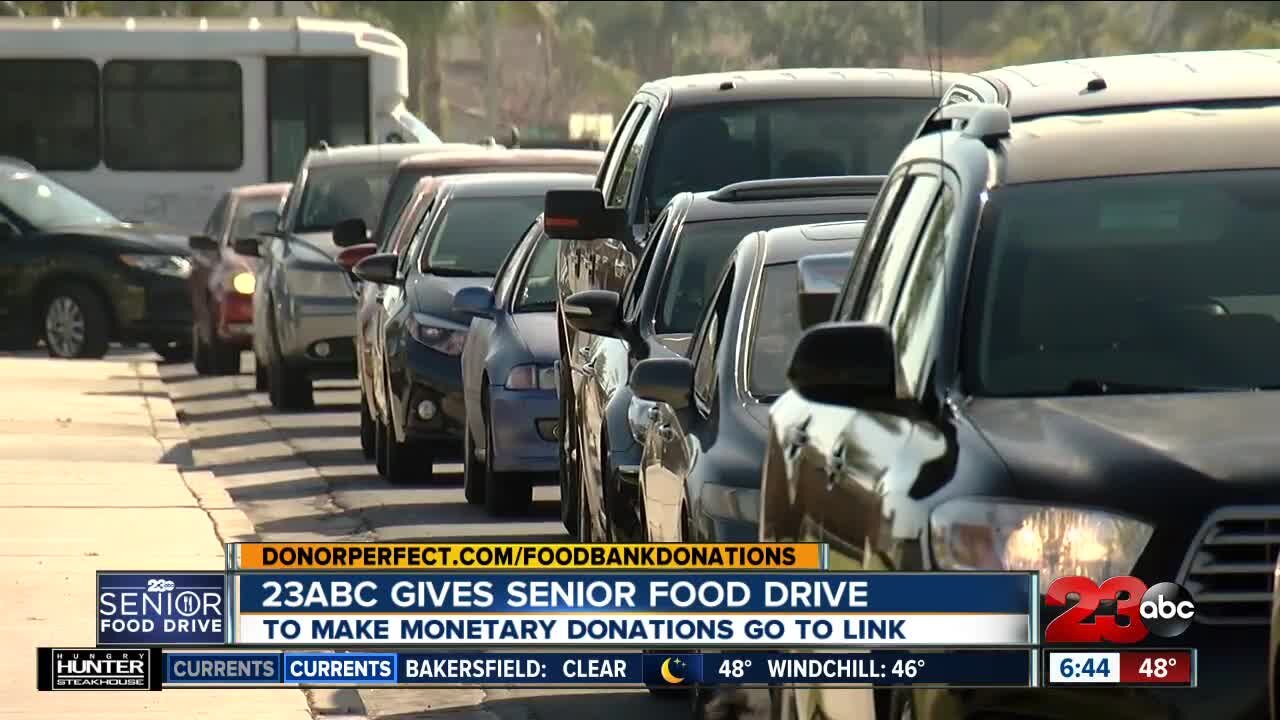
(301, 476)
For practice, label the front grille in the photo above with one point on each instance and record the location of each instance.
(1230, 569)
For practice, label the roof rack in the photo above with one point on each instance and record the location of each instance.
(982, 121)
(785, 188)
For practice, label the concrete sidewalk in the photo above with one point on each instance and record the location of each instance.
(89, 479)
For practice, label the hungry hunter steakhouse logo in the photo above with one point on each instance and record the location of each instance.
(99, 669)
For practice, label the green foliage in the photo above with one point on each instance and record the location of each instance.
(832, 34)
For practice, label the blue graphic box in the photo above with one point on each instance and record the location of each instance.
(161, 608)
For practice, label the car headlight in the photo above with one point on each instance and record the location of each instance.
(531, 377)
(311, 283)
(243, 283)
(442, 339)
(981, 534)
(171, 265)
(640, 417)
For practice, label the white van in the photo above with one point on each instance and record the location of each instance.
(154, 118)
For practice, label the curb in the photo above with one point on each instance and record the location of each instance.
(230, 523)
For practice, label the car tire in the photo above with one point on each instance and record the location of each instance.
(75, 321)
(406, 462)
(224, 358)
(172, 351)
(504, 493)
(380, 447)
(368, 431)
(472, 471)
(260, 380)
(289, 391)
(200, 356)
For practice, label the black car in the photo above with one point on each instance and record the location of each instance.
(700, 468)
(699, 133)
(76, 277)
(1056, 352)
(474, 223)
(656, 314)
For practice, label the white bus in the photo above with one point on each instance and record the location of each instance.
(154, 118)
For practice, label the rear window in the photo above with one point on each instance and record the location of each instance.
(474, 235)
(340, 192)
(708, 148)
(700, 254)
(243, 226)
(777, 328)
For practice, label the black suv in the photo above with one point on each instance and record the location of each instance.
(704, 132)
(1056, 352)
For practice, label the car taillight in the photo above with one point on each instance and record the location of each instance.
(237, 308)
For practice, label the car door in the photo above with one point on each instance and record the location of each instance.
(676, 433)
(389, 326)
(204, 262)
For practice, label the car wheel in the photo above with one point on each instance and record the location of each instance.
(172, 351)
(260, 380)
(287, 390)
(504, 493)
(472, 471)
(406, 462)
(75, 323)
(380, 447)
(368, 431)
(224, 358)
(200, 357)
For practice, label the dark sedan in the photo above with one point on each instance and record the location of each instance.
(700, 471)
(655, 315)
(222, 280)
(77, 277)
(475, 222)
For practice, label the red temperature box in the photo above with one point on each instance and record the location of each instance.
(1150, 667)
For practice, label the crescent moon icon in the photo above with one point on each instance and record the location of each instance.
(669, 676)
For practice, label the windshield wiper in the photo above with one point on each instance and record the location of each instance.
(1095, 386)
(455, 272)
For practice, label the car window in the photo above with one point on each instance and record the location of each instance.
(631, 161)
(409, 255)
(634, 286)
(620, 144)
(334, 193)
(775, 331)
(918, 311)
(510, 270)
(704, 369)
(710, 147)
(878, 223)
(699, 257)
(217, 218)
(47, 204)
(473, 235)
(537, 291)
(411, 217)
(899, 240)
(246, 208)
(1106, 285)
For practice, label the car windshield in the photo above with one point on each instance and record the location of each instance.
(776, 330)
(243, 226)
(708, 148)
(538, 292)
(46, 204)
(700, 254)
(475, 234)
(334, 193)
(1152, 283)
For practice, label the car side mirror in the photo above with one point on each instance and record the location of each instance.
(820, 280)
(845, 363)
(664, 380)
(475, 301)
(352, 255)
(581, 215)
(381, 268)
(594, 312)
(264, 221)
(247, 246)
(349, 233)
(202, 243)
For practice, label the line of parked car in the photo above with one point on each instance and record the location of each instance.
(1013, 320)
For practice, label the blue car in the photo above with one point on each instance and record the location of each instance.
(509, 377)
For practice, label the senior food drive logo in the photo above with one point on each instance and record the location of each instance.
(181, 608)
(1165, 609)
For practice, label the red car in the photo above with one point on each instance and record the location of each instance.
(222, 281)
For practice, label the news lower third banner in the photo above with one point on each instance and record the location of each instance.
(231, 668)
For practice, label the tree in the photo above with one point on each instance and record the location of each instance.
(832, 34)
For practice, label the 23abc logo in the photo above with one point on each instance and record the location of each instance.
(1165, 609)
